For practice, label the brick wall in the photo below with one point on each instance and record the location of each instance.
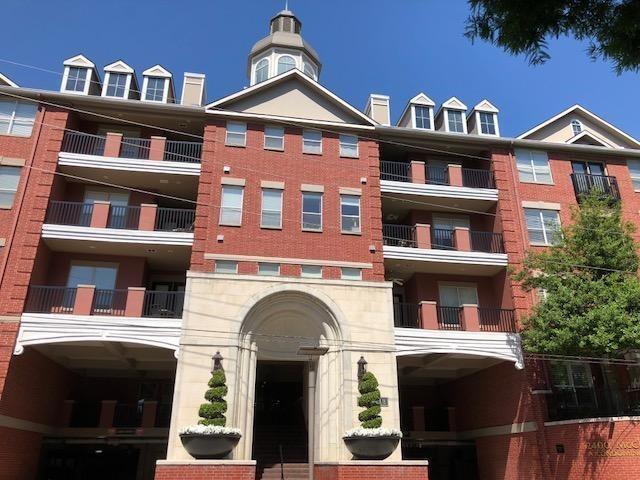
(19, 452)
(509, 457)
(205, 472)
(379, 471)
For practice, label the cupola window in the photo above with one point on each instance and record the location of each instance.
(286, 63)
(576, 127)
(262, 70)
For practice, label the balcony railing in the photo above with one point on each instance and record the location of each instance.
(83, 143)
(589, 402)
(175, 220)
(584, 184)
(442, 239)
(124, 217)
(496, 320)
(132, 147)
(69, 213)
(176, 151)
(488, 242)
(399, 235)
(406, 315)
(109, 302)
(160, 304)
(437, 174)
(449, 318)
(477, 178)
(395, 171)
(50, 299)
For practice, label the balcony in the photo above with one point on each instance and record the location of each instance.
(469, 187)
(115, 414)
(585, 184)
(573, 403)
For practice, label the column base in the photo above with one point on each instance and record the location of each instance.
(403, 470)
(206, 469)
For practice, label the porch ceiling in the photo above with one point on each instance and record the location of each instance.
(433, 369)
(404, 269)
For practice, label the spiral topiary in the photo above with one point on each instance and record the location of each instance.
(212, 413)
(369, 399)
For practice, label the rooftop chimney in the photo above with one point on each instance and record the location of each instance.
(378, 108)
(193, 92)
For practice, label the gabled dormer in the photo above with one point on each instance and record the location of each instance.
(157, 85)
(120, 81)
(451, 117)
(418, 113)
(483, 119)
(80, 77)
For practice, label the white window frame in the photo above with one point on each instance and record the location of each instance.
(15, 119)
(545, 233)
(313, 141)
(223, 207)
(302, 212)
(343, 141)
(308, 274)
(344, 276)
(262, 265)
(263, 210)
(285, 55)
(87, 81)
(258, 66)
(107, 83)
(10, 191)
(243, 134)
(525, 160)
(228, 263)
(635, 175)
(462, 119)
(414, 116)
(165, 89)
(274, 132)
(494, 120)
(576, 123)
(359, 216)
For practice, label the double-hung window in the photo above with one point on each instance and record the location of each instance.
(271, 215)
(9, 180)
(543, 226)
(634, 172)
(349, 146)
(117, 85)
(155, 89)
(76, 79)
(17, 118)
(312, 141)
(455, 121)
(350, 213)
(273, 138)
(423, 117)
(533, 166)
(231, 205)
(487, 123)
(236, 134)
(312, 211)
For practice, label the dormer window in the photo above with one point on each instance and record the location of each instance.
(483, 119)
(422, 116)
(487, 123)
(576, 127)
(119, 81)
(262, 70)
(116, 85)
(157, 85)
(286, 63)
(155, 89)
(455, 121)
(76, 79)
(80, 77)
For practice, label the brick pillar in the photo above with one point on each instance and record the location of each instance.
(419, 424)
(429, 315)
(148, 214)
(112, 145)
(107, 413)
(417, 172)
(423, 235)
(470, 318)
(462, 239)
(100, 214)
(149, 413)
(135, 302)
(84, 300)
(157, 148)
(67, 411)
(455, 175)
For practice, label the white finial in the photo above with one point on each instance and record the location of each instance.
(286, 4)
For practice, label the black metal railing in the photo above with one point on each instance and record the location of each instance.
(133, 147)
(449, 318)
(395, 171)
(69, 213)
(477, 178)
(588, 402)
(124, 217)
(399, 235)
(175, 220)
(109, 302)
(160, 304)
(442, 238)
(43, 299)
(497, 320)
(83, 143)
(584, 184)
(178, 151)
(437, 174)
(406, 315)
(128, 414)
(486, 242)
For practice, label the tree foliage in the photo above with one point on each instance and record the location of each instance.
(612, 27)
(212, 413)
(369, 399)
(592, 305)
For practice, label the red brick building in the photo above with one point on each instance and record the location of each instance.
(141, 232)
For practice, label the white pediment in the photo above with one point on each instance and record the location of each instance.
(79, 61)
(157, 71)
(7, 82)
(422, 99)
(118, 67)
(454, 104)
(586, 138)
(486, 106)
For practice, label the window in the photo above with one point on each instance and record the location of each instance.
(311, 271)
(423, 117)
(274, 138)
(155, 89)
(268, 269)
(262, 70)
(312, 211)
(271, 216)
(286, 63)
(574, 381)
(348, 146)
(312, 141)
(231, 205)
(76, 79)
(117, 85)
(350, 213)
(17, 118)
(634, 172)
(487, 123)
(102, 276)
(455, 121)
(576, 127)
(533, 166)
(348, 273)
(226, 266)
(309, 70)
(9, 179)
(236, 134)
(543, 226)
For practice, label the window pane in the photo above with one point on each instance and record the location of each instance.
(271, 208)
(348, 146)
(487, 125)
(76, 79)
(312, 141)
(350, 213)
(455, 121)
(533, 166)
(226, 266)
(155, 89)
(274, 138)
(231, 210)
(262, 70)
(117, 83)
(634, 172)
(268, 269)
(311, 271)
(312, 211)
(423, 119)
(286, 63)
(351, 273)
(9, 179)
(236, 133)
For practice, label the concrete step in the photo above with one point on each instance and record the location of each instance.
(292, 471)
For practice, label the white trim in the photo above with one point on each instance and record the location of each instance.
(286, 260)
(288, 282)
(8, 81)
(485, 105)
(630, 418)
(431, 118)
(586, 133)
(307, 187)
(157, 71)
(541, 205)
(509, 429)
(479, 124)
(116, 235)
(431, 190)
(350, 191)
(454, 104)
(107, 78)
(87, 82)
(280, 211)
(445, 256)
(127, 164)
(272, 185)
(242, 116)
(119, 67)
(240, 182)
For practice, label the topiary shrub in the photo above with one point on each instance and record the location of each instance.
(212, 413)
(369, 399)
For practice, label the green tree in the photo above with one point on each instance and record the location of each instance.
(612, 27)
(369, 399)
(212, 413)
(592, 305)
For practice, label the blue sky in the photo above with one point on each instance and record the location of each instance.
(398, 48)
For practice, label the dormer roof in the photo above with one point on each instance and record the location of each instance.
(157, 71)
(79, 61)
(118, 67)
(6, 81)
(422, 99)
(486, 106)
(454, 104)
